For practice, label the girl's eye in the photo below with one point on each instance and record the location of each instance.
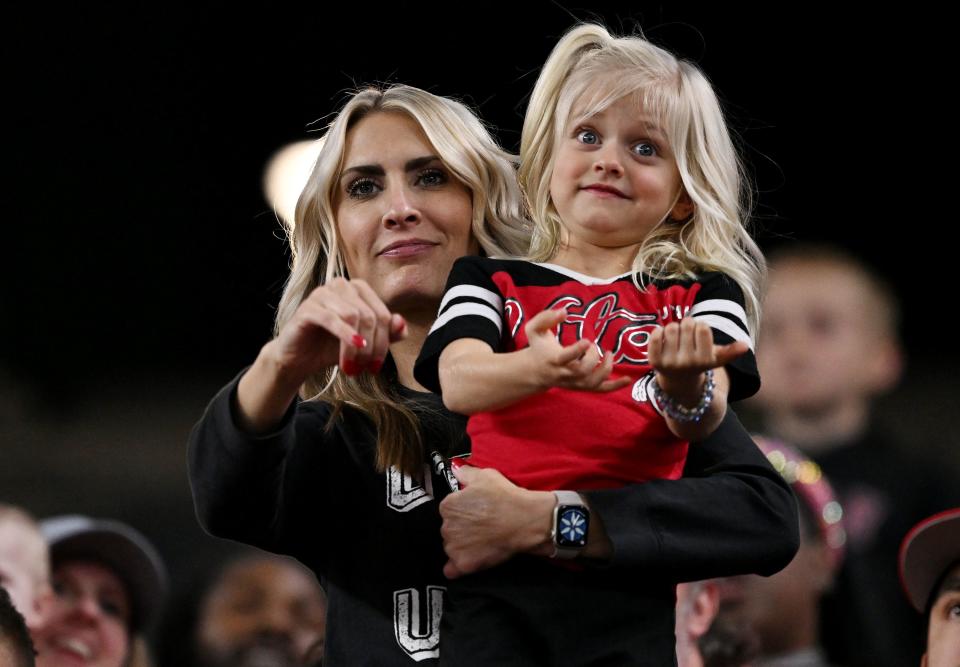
(362, 188)
(644, 149)
(431, 177)
(588, 137)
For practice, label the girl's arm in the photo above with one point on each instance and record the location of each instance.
(680, 353)
(474, 378)
(731, 513)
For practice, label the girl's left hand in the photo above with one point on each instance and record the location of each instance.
(680, 353)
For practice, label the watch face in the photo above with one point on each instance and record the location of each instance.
(572, 525)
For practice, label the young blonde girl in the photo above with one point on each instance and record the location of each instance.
(595, 360)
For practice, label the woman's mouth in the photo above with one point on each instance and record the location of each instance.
(407, 248)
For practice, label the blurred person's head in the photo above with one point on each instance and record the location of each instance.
(783, 609)
(24, 564)
(16, 647)
(697, 606)
(930, 573)
(261, 610)
(828, 344)
(108, 583)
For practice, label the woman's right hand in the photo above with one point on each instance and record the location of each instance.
(341, 323)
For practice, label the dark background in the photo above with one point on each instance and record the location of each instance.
(143, 263)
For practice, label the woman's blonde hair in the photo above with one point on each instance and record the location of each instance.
(498, 224)
(588, 71)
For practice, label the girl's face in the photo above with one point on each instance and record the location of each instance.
(402, 216)
(87, 625)
(615, 178)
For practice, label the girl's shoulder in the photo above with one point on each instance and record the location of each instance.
(711, 278)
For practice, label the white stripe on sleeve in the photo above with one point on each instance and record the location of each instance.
(462, 309)
(479, 293)
(721, 323)
(720, 306)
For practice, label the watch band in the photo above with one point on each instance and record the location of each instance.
(566, 501)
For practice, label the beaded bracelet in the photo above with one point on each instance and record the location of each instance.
(678, 412)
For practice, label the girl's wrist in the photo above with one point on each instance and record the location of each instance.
(684, 389)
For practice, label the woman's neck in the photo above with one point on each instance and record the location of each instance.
(596, 261)
(404, 352)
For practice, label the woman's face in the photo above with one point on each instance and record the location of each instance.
(87, 626)
(403, 217)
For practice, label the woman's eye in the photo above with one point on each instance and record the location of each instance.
(588, 137)
(430, 177)
(362, 188)
(644, 149)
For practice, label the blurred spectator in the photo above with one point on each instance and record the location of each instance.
(930, 573)
(108, 583)
(783, 610)
(258, 610)
(16, 648)
(24, 564)
(828, 347)
(697, 605)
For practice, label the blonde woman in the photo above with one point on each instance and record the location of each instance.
(347, 478)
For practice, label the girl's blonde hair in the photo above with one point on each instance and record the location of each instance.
(588, 71)
(498, 224)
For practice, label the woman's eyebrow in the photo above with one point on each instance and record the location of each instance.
(418, 162)
(364, 170)
(377, 170)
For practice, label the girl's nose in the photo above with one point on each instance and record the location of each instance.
(607, 162)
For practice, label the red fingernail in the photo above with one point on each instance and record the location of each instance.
(358, 341)
(350, 367)
(375, 366)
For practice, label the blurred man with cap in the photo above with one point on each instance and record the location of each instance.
(108, 581)
(930, 574)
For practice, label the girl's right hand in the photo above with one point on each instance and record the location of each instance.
(341, 323)
(576, 366)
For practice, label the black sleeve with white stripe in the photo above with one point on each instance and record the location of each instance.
(720, 304)
(472, 307)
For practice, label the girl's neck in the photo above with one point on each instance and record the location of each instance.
(595, 261)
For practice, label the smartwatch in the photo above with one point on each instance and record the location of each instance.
(571, 524)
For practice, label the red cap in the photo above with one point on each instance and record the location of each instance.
(925, 554)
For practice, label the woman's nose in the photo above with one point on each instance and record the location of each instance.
(402, 209)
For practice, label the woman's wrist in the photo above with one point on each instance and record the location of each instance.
(535, 535)
(265, 392)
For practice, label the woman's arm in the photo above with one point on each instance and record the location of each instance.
(236, 453)
(730, 514)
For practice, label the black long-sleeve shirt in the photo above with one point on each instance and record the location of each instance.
(374, 538)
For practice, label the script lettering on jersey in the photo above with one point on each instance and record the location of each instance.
(404, 493)
(614, 329)
(418, 634)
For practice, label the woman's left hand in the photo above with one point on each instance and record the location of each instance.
(490, 519)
